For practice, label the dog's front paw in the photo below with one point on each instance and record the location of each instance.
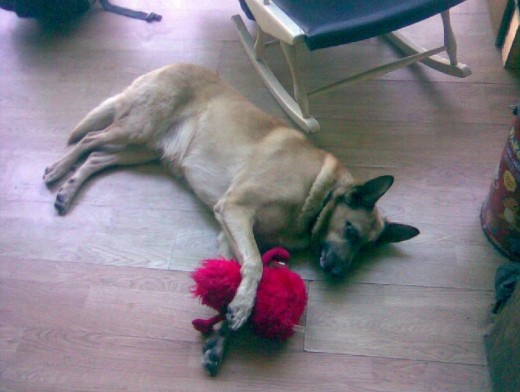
(239, 311)
(213, 354)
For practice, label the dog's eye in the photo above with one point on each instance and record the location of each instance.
(351, 232)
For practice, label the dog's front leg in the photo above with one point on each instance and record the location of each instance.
(214, 349)
(237, 222)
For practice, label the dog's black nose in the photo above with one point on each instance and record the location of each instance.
(326, 267)
(337, 272)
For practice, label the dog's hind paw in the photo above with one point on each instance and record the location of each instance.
(53, 173)
(62, 202)
(48, 176)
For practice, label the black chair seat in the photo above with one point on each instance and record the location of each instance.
(336, 22)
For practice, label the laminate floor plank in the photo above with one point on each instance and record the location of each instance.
(409, 322)
(78, 326)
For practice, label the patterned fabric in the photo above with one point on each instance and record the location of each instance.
(500, 214)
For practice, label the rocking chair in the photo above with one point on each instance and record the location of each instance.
(319, 24)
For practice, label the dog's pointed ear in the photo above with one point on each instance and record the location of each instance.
(397, 232)
(367, 194)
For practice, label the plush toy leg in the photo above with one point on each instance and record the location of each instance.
(214, 349)
(205, 327)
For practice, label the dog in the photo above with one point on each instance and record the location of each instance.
(266, 182)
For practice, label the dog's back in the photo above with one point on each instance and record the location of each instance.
(199, 125)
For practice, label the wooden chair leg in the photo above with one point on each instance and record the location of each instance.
(300, 93)
(449, 38)
(286, 101)
(450, 67)
(260, 44)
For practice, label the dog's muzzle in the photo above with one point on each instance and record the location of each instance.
(335, 261)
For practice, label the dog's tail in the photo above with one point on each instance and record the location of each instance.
(98, 119)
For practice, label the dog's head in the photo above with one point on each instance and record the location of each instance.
(350, 221)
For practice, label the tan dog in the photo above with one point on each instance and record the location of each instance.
(267, 184)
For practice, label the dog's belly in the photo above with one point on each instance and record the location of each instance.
(197, 161)
(210, 149)
(209, 186)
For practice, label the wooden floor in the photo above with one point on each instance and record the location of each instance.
(98, 300)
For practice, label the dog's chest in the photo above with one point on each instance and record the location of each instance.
(274, 226)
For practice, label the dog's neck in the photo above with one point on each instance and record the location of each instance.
(330, 176)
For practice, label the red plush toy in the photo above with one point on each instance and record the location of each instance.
(280, 300)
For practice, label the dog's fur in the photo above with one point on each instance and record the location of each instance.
(267, 184)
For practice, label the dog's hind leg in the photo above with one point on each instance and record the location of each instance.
(96, 161)
(97, 119)
(214, 349)
(93, 140)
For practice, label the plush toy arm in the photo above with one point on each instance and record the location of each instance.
(275, 254)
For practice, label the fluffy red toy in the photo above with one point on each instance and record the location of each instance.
(280, 300)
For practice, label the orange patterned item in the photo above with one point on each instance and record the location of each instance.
(500, 215)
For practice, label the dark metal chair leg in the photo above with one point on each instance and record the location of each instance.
(149, 17)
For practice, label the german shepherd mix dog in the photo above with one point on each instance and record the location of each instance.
(266, 183)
